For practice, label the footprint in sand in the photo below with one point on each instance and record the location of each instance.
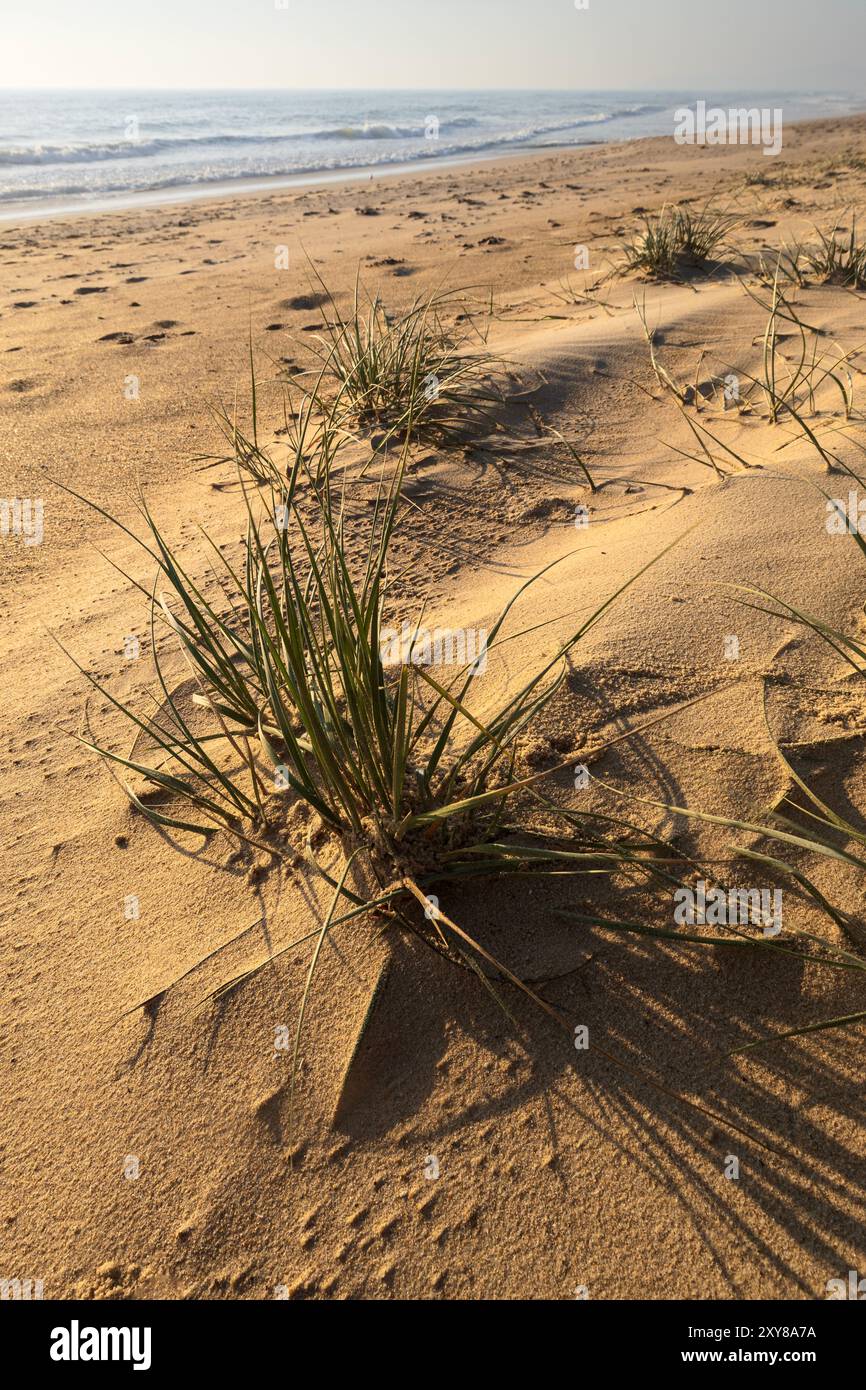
(115, 338)
(304, 301)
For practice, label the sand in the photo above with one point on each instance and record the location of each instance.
(436, 1152)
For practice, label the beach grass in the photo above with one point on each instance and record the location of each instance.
(677, 240)
(406, 779)
(837, 260)
(408, 369)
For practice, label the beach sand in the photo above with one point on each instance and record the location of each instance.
(559, 1171)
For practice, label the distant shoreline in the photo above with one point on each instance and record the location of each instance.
(34, 210)
(13, 214)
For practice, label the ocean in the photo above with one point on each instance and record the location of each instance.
(73, 150)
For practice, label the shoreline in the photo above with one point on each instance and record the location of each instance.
(19, 213)
(268, 183)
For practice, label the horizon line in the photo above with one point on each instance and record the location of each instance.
(131, 87)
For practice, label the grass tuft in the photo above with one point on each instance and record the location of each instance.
(394, 371)
(838, 261)
(678, 240)
(296, 700)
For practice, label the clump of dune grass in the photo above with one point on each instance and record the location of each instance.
(410, 784)
(677, 240)
(757, 179)
(701, 234)
(834, 257)
(410, 787)
(390, 370)
(654, 251)
(838, 260)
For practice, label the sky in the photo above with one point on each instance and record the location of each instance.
(678, 45)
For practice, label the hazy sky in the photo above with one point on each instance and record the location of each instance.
(755, 45)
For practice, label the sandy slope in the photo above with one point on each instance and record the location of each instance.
(556, 1169)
